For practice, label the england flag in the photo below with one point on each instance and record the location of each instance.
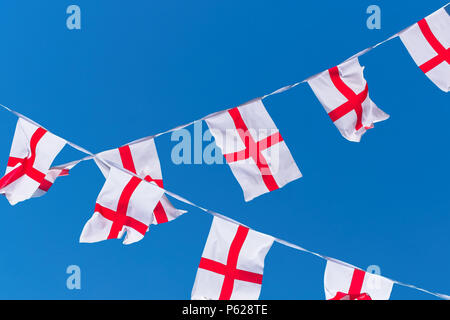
(32, 152)
(124, 207)
(232, 263)
(142, 159)
(344, 93)
(253, 148)
(347, 283)
(428, 43)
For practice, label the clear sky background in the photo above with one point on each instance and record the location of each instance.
(137, 68)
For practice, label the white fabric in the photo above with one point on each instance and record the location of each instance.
(421, 51)
(339, 277)
(260, 125)
(146, 162)
(352, 74)
(47, 149)
(208, 284)
(140, 207)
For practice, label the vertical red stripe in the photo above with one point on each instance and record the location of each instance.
(233, 255)
(443, 54)
(122, 207)
(128, 163)
(252, 149)
(160, 214)
(127, 158)
(354, 102)
(230, 271)
(357, 282)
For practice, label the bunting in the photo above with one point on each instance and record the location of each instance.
(344, 93)
(428, 43)
(254, 149)
(32, 152)
(232, 263)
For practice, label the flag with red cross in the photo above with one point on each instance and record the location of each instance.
(428, 43)
(32, 152)
(253, 148)
(124, 206)
(142, 159)
(344, 282)
(344, 93)
(232, 263)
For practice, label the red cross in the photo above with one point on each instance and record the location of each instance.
(354, 102)
(354, 292)
(128, 163)
(229, 270)
(26, 164)
(443, 55)
(119, 217)
(253, 149)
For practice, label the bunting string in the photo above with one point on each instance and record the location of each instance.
(278, 91)
(211, 212)
(110, 164)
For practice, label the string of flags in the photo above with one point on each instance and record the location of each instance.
(232, 264)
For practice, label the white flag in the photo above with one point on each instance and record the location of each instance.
(142, 159)
(125, 205)
(428, 43)
(347, 283)
(344, 93)
(232, 263)
(32, 152)
(254, 149)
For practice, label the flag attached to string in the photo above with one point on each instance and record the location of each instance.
(254, 149)
(52, 174)
(32, 152)
(142, 159)
(232, 263)
(124, 206)
(428, 43)
(344, 93)
(347, 283)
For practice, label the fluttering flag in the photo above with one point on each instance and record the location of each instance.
(254, 149)
(344, 93)
(32, 152)
(142, 159)
(232, 263)
(428, 43)
(347, 283)
(124, 206)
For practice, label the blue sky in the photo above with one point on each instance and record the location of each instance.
(137, 68)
